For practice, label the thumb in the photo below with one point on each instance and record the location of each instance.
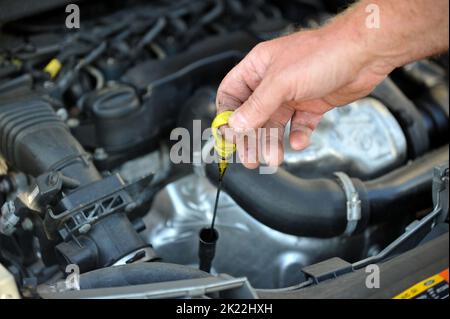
(268, 96)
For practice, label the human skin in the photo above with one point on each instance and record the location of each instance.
(301, 76)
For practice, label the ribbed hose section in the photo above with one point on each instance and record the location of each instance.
(19, 117)
(34, 140)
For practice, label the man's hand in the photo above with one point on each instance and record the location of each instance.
(299, 77)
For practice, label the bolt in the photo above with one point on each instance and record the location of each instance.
(130, 207)
(62, 114)
(27, 224)
(49, 85)
(72, 122)
(100, 154)
(53, 179)
(84, 229)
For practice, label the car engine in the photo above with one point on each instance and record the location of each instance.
(87, 180)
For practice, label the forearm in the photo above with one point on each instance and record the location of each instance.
(408, 30)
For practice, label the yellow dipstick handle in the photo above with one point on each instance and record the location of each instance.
(223, 148)
(53, 67)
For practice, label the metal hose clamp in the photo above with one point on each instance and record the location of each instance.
(353, 202)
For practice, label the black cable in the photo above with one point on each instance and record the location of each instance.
(150, 35)
(68, 78)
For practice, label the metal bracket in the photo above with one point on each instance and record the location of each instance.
(418, 229)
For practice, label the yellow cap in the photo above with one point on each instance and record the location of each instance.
(53, 67)
(223, 148)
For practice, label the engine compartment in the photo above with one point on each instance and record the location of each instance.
(86, 176)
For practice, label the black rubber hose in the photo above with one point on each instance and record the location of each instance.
(317, 207)
(284, 202)
(135, 274)
(407, 189)
(408, 116)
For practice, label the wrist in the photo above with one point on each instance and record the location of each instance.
(390, 34)
(351, 43)
(372, 49)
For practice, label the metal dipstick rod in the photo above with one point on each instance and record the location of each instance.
(208, 236)
(216, 203)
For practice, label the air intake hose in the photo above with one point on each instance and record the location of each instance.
(35, 141)
(317, 207)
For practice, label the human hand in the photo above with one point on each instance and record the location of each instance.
(301, 76)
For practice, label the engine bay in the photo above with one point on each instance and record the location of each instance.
(87, 177)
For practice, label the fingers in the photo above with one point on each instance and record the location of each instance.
(260, 105)
(232, 91)
(302, 126)
(265, 145)
(240, 90)
(272, 150)
(240, 82)
(261, 146)
(248, 147)
(250, 90)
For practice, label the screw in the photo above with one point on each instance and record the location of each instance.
(72, 122)
(53, 179)
(84, 229)
(49, 85)
(62, 114)
(130, 207)
(100, 154)
(27, 224)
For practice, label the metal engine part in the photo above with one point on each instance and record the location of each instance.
(362, 139)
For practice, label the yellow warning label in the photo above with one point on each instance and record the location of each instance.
(427, 287)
